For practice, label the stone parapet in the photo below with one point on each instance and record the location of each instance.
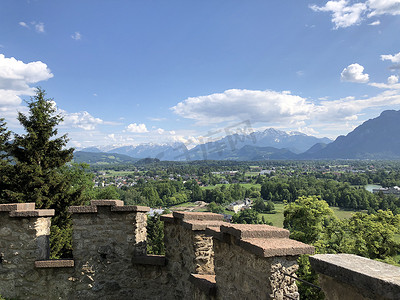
(348, 276)
(188, 249)
(263, 254)
(115, 206)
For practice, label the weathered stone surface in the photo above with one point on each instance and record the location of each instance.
(82, 209)
(17, 206)
(371, 279)
(248, 231)
(205, 259)
(27, 243)
(275, 247)
(259, 277)
(155, 260)
(108, 245)
(167, 218)
(60, 263)
(32, 213)
(197, 225)
(206, 283)
(131, 208)
(188, 215)
(106, 202)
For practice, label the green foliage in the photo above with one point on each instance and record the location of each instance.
(370, 236)
(215, 208)
(305, 218)
(248, 216)
(4, 137)
(155, 235)
(4, 161)
(306, 273)
(109, 192)
(262, 207)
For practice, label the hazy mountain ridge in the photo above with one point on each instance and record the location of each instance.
(102, 158)
(377, 138)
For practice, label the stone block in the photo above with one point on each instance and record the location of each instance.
(59, 263)
(187, 215)
(372, 279)
(244, 231)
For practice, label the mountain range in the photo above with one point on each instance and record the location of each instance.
(377, 138)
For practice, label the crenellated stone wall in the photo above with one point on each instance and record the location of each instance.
(206, 258)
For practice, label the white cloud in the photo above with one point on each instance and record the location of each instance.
(346, 13)
(394, 86)
(376, 23)
(15, 78)
(354, 73)
(382, 7)
(137, 128)
(160, 130)
(23, 24)
(257, 106)
(83, 120)
(343, 14)
(393, 79)
(393, 58)
(39, 27)
(76, 36)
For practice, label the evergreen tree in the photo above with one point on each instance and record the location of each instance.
(39, 174)
(155, 235)
(4, 136)
(4, 161)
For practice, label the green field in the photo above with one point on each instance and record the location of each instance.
(277, 219)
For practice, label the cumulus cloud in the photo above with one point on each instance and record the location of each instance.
(383, 7)
(16, 77)
(393, 58)
(76, 36)
(393, 79)
(83, 120)
(346, 13)
(343, 14)
(160, 130)
(354, 73)
(258, 106)
(137, 128)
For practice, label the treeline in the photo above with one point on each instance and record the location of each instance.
(335, 193)
(172, 192)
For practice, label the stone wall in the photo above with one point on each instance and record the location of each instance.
(188, 249)
(106, 236)
(24, 234)
(251, 262)
(348, 276)
(206, 258)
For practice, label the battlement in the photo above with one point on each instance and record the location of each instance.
(206, 258)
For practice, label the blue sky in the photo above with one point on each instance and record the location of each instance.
(130, 72)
